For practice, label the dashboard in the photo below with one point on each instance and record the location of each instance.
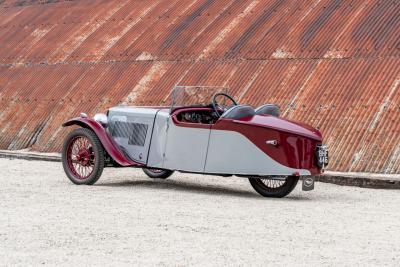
(198, 116)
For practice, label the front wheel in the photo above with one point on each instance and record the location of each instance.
(157, 173)
(83, 156)
(274, 186)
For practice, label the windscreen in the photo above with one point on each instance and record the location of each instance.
(195, 95)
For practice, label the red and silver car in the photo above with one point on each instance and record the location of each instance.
(203, 131)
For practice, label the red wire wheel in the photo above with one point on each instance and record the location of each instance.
(83, 156)
(274, 186)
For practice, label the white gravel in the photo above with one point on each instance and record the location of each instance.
(129, 219)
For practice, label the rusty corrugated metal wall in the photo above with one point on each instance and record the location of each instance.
(333, 64)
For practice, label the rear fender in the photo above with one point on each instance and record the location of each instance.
(108, 143)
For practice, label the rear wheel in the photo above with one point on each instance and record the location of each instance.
(83, 156)
(274, 186)
(157, 173)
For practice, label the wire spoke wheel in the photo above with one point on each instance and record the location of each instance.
(276, 186)
(83, 156)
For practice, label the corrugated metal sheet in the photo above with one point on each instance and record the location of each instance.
(330, 63)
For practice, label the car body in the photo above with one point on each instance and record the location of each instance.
(196, 137)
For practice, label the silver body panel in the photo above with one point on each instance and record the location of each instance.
(186, 148)
(159, 139)
(131, 128)
(231, 152)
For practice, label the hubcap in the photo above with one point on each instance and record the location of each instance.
(81, 157)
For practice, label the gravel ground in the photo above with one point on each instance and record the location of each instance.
(129, 219)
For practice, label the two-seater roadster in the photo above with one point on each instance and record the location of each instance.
(203, 131)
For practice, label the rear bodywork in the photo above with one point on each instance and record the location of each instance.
(260, 145)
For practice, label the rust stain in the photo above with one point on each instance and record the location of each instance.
(333, 64)
(123, 29)
(231, 26)
(84, 32)
(154, 73)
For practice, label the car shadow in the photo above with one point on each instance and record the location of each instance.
(192, 187)
(183, 186)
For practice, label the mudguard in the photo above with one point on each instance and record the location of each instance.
(108, 143)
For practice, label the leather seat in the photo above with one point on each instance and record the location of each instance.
(238, 112)
(268, 109)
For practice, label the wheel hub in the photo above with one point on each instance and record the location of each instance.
(83, 157)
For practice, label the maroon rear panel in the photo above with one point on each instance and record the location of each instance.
(296, 144)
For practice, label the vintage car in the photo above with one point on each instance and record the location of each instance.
(204, 131)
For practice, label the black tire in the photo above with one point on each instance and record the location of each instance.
(157, 173)
(94, 158)
(274, 188)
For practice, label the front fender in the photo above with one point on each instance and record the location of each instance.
(108, 143)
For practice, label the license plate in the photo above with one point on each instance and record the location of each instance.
(322, 156)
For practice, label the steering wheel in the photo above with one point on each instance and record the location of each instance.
(218, 107)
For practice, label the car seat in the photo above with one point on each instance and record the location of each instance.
(268, 109)
(238, 112)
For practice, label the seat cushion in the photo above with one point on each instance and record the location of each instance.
(268, 109)
(238, 112)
